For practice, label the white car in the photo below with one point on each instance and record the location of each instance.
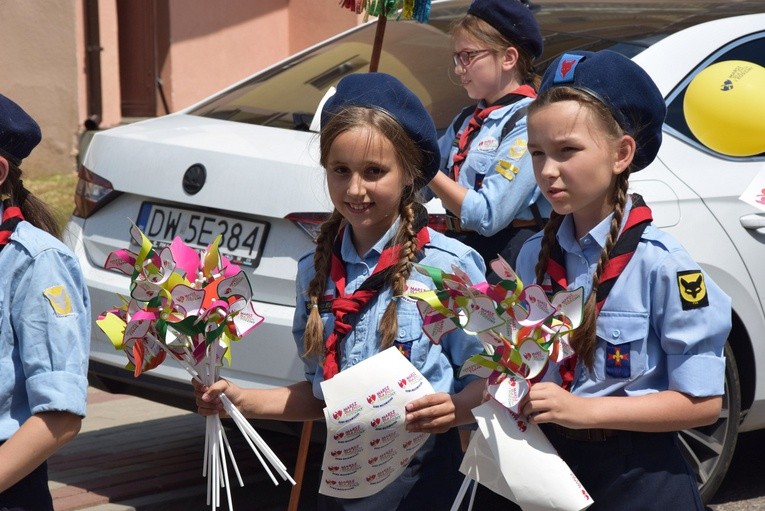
(245, 162)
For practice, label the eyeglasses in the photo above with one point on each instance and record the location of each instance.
(465, 58)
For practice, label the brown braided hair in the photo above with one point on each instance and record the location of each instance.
(411, 159)
(583, 339)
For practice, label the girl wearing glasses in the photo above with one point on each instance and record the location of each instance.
(487, 183)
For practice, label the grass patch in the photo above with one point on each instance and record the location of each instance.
(57, 191)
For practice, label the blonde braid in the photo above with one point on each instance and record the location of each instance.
(584, 338)
(406, 237)
(313, 338)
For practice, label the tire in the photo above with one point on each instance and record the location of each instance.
(709, 449)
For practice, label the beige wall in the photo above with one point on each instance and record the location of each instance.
(213, 44)
(39, 71)
(213, 48)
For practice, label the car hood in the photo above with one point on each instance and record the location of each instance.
(280, 167)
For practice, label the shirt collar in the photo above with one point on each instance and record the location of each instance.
(598, 234)
(348, 251)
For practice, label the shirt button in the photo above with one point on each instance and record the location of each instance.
(401, 333)
(615, 334)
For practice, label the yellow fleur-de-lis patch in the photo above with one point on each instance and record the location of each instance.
(59, 300)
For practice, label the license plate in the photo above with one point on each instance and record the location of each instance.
(241, 242)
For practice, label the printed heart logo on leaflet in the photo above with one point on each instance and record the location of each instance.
(508, 390)
(336, 415)
(371, 399)
(402, 383)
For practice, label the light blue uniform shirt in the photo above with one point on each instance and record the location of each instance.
(437, 363)
(44, 329)
(502, 166)
(669, 348)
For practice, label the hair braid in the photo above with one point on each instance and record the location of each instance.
(548, 240)
(584, 338)
(407, 239)
(313, 338)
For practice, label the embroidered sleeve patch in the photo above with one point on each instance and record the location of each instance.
(506, 169)
(59, 300)
(693, 290)
(518, 149)
(617, 360)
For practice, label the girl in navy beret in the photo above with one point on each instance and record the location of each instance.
(379, 147)
(44, 328)
(487, 183)
(649, 354)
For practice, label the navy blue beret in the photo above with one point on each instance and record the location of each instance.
(19, 133)
(385, 93)
(513, 19)
(623, 86)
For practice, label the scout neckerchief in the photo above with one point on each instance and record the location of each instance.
(10, 219)
(345, 308)
(477, 120)
(621, 253)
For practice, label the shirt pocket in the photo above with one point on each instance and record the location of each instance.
(621, 351)
(410, 340)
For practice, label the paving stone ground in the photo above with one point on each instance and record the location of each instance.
(136, 455)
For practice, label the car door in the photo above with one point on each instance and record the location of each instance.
(735, 238)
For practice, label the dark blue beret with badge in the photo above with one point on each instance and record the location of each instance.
(514, 20)
(623, 86)
(19, 133)
(384, 92)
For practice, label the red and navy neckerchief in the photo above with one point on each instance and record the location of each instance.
(345, 308)
(10, 219)
(477, 120)
(638, 219)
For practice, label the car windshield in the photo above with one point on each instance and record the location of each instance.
(286, 95)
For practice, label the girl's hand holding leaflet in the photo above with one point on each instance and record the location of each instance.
(435, 413)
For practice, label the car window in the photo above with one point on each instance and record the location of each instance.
(418, 54)
(750, 49)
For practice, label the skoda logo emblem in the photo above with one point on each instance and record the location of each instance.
(194, 178)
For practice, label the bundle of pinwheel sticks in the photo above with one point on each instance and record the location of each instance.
(191, 307)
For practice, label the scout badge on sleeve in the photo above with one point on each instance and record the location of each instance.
(190, 307)
(521, 331)
(693, 290)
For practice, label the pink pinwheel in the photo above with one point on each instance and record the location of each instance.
(203, 302)
(519, 327)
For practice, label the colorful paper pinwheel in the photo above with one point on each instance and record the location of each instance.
(520, 329)
(191, 306)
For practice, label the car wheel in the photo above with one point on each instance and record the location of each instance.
(709, 449)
